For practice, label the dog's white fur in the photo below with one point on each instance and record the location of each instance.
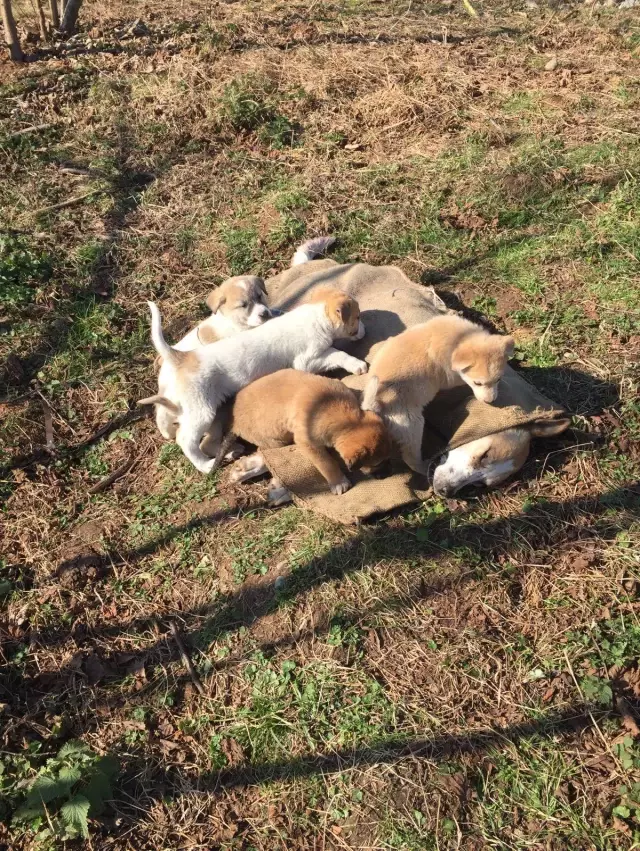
(197, 382)
(312, 248)
(237, 304)
(490, 460)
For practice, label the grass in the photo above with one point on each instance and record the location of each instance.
(462, 676)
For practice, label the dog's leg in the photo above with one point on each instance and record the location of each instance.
(188, 438)
(327, 466)
(248, 468)
(406, 431)
(331, 359)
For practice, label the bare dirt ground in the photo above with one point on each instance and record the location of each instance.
(462, 676)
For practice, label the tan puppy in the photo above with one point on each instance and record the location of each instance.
(411, 368)
(315, 413)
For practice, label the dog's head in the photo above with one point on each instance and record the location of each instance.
(242, 301)
(480, 359)
(342, 311)
(490, 460)
(366, 445)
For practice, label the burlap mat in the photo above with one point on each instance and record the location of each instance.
(389, 303)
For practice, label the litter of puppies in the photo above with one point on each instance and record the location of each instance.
(250, 371)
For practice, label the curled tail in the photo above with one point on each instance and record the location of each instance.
(369, 400)
(225, 446)
(160, 344)
(312, 248)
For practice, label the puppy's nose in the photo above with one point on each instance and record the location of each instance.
(264, 312)
(445, 490)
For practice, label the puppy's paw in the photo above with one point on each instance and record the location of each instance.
(358, 367)
(236, 451)
(341, 487)
(249, 467)
(278, 494)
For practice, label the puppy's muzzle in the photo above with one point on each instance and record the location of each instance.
(259, 315)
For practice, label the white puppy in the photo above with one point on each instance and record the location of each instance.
(196, 382)
(237, 304)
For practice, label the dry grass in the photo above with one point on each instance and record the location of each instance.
(445, 679)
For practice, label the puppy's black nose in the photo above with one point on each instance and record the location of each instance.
(445, 491)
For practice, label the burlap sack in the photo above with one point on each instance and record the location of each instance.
(390, 303)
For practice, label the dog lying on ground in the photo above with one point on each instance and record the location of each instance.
(408, 371)
(490, 460)
(237, 304)
(196, 382)
(317, 414)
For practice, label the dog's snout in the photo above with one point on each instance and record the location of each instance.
(445, 490)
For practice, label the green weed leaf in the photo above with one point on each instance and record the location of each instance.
(74, 814)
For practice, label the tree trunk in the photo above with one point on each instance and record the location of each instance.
(42, 21)
(11, 32)
(55, 15)
(70, 16)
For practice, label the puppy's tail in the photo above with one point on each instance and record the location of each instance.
(161, 346)
(312, 248)
(369, 400)
(225, 446)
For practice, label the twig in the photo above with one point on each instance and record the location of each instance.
(25, 130)
(103, 484)
(48, 425)
(590, 714)
(195, 679)
(69, 203)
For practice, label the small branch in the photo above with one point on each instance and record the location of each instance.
(195, 679)
(48, 425)
(55, 15)
(26, 130)
(42, 21)
(69, 203)
(103, 484)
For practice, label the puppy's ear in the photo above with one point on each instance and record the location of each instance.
(261, 285)
(160, 400)
(351, 449)
(215, 300)
(461, 359)
(549, 428)
(509, 346)
(347, 310)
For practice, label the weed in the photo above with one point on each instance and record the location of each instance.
(242, 248)
(22, 271)
(68, 789)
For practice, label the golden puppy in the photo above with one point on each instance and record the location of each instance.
(408, 371)
(315, 413)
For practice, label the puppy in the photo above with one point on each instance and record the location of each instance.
(490, 460)
(196, 382)
(315, 413)
(408, 371)
(236, 305)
